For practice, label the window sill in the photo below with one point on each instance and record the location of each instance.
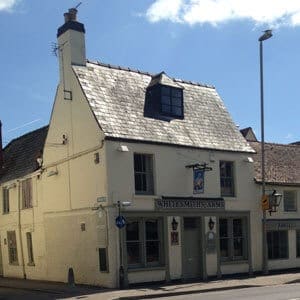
(14, 264)
(277, 259)
(234, 262)
(139, 269)
(145, 196)
(32, 264)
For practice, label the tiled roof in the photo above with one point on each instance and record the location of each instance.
(117, 98)
(21, 153)
(282, 163)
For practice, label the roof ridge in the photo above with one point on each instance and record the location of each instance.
(116, 67)
(277, 144)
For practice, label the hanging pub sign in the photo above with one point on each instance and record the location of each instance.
(198, 181)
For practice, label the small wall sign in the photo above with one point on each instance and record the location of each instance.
(198, 181)
(174, 238)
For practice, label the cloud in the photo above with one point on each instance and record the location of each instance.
(214, 12)
(7, 5)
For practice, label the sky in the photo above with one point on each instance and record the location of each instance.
(208, 41)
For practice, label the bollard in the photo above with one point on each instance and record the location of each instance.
(71, 278)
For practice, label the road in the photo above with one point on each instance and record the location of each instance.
(281, 292)
(18, 294)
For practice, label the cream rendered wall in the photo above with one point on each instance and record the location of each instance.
(175, 255)
(31, 220)
(172, 178)
(292, 261)
(70, 195)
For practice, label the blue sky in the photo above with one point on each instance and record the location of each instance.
(209, 41)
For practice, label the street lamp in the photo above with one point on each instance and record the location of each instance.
(267, 34)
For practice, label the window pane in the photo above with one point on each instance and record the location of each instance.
(103, 263)
(289, 198)
(277, 244)
(226, 178)
(224, 248)
(237, 227)
(152, 251)
(223, 228)
(166, 108)
(165, 90)
(132, 231)
(152, 230)
(177, 111)
(298, 243)
(143, 173)
(133, 253)
(176, 102)
(176, 93)
(238, 247)
(166, 100)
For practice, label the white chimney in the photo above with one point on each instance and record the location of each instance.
(71, 45)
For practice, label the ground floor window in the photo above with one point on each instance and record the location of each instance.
(277, 244)
(233, 239)
(298, 242)
(12, 247)
(144, 242)
(29, 248)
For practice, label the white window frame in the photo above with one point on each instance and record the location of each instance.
(147, 174)
(26, 187)
(224, 178)
(287, 201)
(231, 238)
(143, 243)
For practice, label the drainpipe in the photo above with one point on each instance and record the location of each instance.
(20, 229)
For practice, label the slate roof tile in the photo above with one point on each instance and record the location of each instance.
(21, 153)
(117, 98)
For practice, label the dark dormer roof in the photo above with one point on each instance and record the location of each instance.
(21, 153)
(282, 163)
(117, 98)
(163, 79)
(248, 134)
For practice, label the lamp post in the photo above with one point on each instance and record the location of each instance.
(267, 34)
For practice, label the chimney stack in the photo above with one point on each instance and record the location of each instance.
(1, 150)
(71, 45)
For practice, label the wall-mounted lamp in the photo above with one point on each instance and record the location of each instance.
(174, 224)
(123, 148)
(52, 173)
(249, 159)
(211, 224)
(274, 201)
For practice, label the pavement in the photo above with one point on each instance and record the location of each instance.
(62, 290)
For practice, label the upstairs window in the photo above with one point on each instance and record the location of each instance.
(171, 101)
(27, 193)
(227, 178)
(143, 174)
(290, 200)
(5, 198)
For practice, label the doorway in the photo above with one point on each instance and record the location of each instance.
(192, 254)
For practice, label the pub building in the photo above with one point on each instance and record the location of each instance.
(139, 177)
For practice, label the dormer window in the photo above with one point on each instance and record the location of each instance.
(171, 101)
(164, 98)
